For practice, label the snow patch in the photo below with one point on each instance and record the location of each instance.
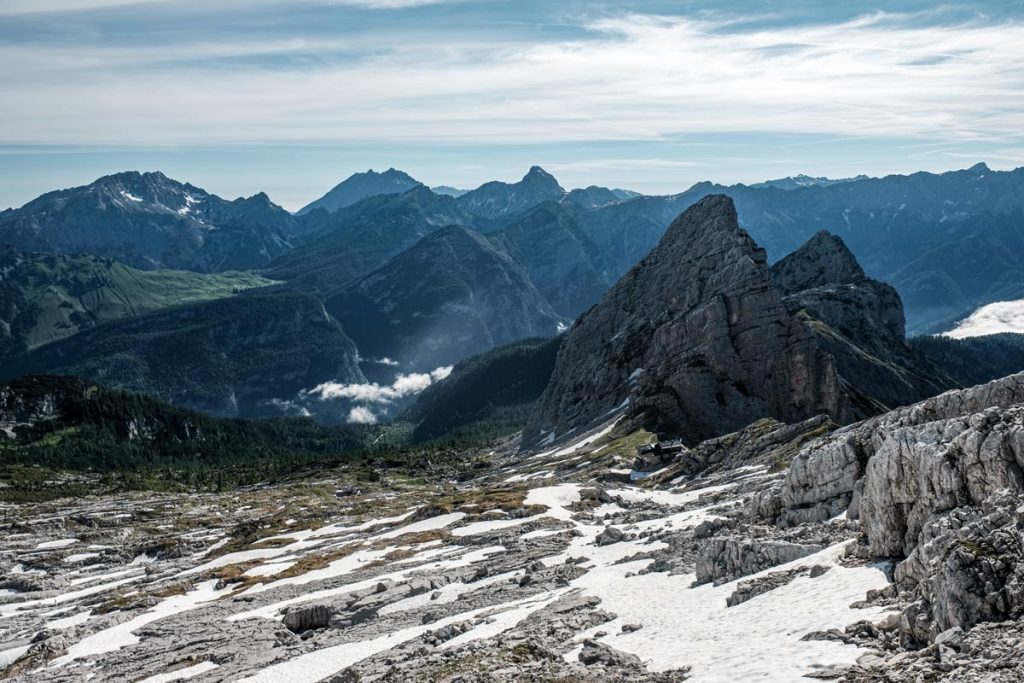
(62, 543)
(181, 674)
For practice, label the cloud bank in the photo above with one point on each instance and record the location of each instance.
(995, 318)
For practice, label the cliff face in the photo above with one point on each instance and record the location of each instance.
(697, 340)
(858, 321)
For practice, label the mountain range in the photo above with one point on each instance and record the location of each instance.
(147, 220)
(425, 278)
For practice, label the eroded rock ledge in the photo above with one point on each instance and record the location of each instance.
(936, 486)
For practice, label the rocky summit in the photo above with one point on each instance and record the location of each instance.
(859, 321)
(694, 341)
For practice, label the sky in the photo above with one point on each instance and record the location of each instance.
(292, 96)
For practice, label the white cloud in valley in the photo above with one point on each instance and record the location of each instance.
(995, 318)
(361, 415)
(403, 386)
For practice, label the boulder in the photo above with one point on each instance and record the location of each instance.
(301, 619)
(725, 559)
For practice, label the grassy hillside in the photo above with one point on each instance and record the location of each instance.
(47, 297)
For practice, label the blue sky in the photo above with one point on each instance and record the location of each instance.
(291, 96)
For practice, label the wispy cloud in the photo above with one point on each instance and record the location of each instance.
(629, 77)
(46, 6)
(14, 7)
(622, 165)
(403, 386)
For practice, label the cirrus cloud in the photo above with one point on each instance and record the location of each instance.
(626, 77)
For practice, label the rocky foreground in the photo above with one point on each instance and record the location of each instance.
(889, 550)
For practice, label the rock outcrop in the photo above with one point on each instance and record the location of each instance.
(304, 619)
(725, 559)
(826, 472)
(859, 322)
(937, 485)
(695, 338)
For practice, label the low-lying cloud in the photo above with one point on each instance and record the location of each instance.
(380, 395)
(995, 318)
(404, 385)
(361, 415)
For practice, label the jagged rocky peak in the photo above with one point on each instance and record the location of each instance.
(822, 279)
(539, 178)
(822, 260)
(497, 201)
(859, 321)
(694, 339)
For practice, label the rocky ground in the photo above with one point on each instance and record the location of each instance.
(727, 565)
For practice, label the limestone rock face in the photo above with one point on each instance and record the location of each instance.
(859, 321)
(831, 467)
(920, 471)
(696, 338)
(940, 485)
(970, 570)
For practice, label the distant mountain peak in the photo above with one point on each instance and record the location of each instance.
(803, 180)
(496, 201)
(449, 190)
(359, 186)
(980, 167)
(537, 176)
